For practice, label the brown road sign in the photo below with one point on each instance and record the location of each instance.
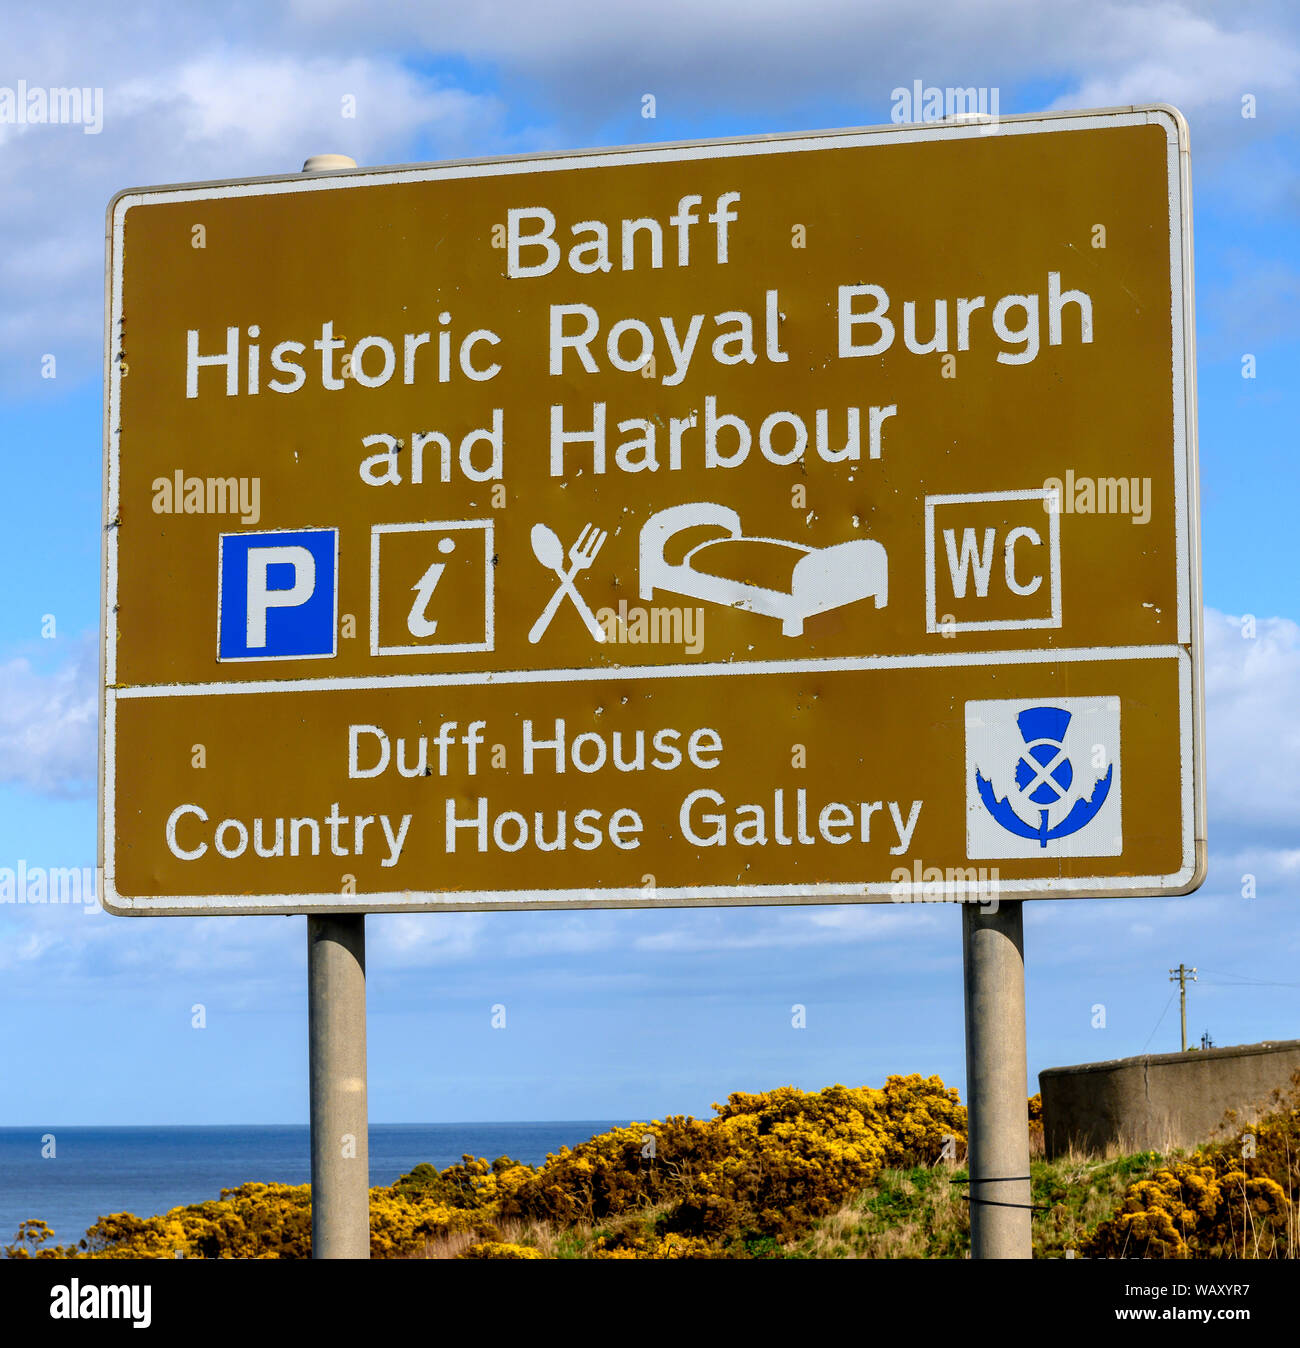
(800, 519)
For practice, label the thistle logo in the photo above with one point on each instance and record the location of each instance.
(1045, 776)
(1043, 779)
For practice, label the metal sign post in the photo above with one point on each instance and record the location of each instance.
(336, 1028)
(336, 1033)
(993, 969)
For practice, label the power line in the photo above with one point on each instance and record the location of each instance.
(1152, 1035)
(1238, 980)
(1181, 974)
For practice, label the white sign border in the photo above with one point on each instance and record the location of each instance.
(1189, 650)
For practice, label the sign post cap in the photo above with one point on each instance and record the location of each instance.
(326, 163)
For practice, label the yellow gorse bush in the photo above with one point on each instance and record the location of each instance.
(1191, 1210)
(499, 1249)
(254, 1221)
(1224, 1201)
(764, 1168)
(765, 1165)
(646, 1245)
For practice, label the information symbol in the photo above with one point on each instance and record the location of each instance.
(431, 587)
(417, 623)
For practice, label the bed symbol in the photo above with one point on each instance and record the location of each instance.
(699, 550)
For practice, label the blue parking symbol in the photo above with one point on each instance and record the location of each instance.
(278, 595)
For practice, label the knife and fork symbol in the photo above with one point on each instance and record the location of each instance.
(548, 550)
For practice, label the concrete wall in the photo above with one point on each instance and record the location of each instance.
(1161, 1100)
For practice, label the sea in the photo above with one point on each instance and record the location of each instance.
(95, 1171)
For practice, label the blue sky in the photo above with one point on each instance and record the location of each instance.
(627, 1014)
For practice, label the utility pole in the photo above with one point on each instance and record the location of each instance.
(1180, 976)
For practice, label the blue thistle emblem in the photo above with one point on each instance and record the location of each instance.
(1044, 777)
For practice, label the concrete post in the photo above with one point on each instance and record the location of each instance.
(336, 1029)
(340, 1147)
(993, 968)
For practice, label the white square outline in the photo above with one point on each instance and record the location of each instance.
(429, 526)
(1054, 560)
(1117, 760)
(334, 622)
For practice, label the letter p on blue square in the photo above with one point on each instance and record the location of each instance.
(277, 595)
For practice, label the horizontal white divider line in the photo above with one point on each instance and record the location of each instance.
(718, 669)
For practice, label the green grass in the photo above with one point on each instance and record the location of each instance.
(1080, 1192)
(916, 1213)
(921, 1213)
(912, 1213)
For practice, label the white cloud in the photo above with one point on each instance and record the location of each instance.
(269, 108)
(1252, 688)
(422, 940)
(771, 54)
(233, 112)
(193, 93)
(786, 928)
(1182, 54)
(239, 963)
(48, 723)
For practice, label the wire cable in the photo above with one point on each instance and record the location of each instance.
(1238, 980)
(1158, 1023)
